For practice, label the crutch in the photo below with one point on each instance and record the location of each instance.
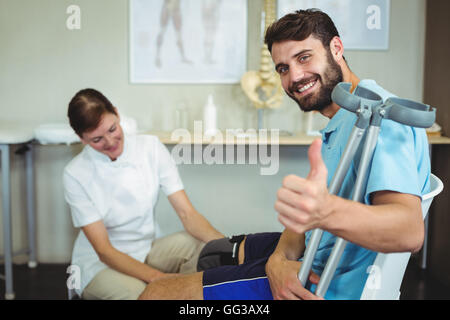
(370, 110)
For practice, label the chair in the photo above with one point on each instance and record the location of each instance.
(386, 273)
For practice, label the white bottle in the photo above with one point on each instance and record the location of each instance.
(210, 118)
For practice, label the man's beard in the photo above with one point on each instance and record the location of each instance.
(322, 99)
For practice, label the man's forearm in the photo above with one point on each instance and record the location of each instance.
(282, 268)
(386, 226)
(291, 245)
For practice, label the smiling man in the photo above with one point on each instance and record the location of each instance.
(309, 57)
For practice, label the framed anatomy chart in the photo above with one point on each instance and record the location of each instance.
(185, 41)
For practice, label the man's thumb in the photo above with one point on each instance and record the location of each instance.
(318, 169)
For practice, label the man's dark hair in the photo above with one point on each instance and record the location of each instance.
(86, 110)
(300, 25)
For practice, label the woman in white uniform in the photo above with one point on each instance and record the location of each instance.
(111, 188)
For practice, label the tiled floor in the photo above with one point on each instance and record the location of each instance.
(48, 281)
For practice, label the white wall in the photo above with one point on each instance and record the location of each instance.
(43, 64)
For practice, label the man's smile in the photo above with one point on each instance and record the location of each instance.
(303, 88)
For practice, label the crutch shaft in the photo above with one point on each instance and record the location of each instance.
(341, 171)
(330, 267)
(358, 195)
(308, 258)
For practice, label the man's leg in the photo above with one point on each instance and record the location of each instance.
(179, 287)
(242, 282)
(245, 281)
(257, 246)
(175, 253)
(250, 247)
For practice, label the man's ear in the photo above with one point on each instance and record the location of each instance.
(337, 48)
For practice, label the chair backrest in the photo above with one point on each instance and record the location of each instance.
(386, 273)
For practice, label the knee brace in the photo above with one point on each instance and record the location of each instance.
(220, 252)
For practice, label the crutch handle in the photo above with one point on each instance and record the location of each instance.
(409, 112)
(342, 96)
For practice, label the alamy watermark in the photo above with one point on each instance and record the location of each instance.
(73, 21)
(374, 278)
(251, 146)
(74, 280)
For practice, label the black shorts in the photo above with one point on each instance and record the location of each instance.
(247, 281)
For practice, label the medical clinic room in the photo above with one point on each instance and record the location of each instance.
(224, 150)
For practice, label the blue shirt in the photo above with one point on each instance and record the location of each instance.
(400, 163)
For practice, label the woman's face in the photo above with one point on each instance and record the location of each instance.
(107, 138)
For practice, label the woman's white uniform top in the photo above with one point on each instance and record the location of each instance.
(122, 194)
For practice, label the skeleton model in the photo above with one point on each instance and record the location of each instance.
(263, 87)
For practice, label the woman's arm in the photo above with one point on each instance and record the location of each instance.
(98, 236)
(194, 223)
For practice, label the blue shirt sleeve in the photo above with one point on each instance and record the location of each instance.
(400, 162)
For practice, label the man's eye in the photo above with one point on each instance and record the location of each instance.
(97, 140)
(303, 58)
(282, 70)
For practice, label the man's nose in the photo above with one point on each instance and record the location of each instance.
(296, 74)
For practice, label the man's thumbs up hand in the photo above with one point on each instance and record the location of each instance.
(318, 171)
(303, 204)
